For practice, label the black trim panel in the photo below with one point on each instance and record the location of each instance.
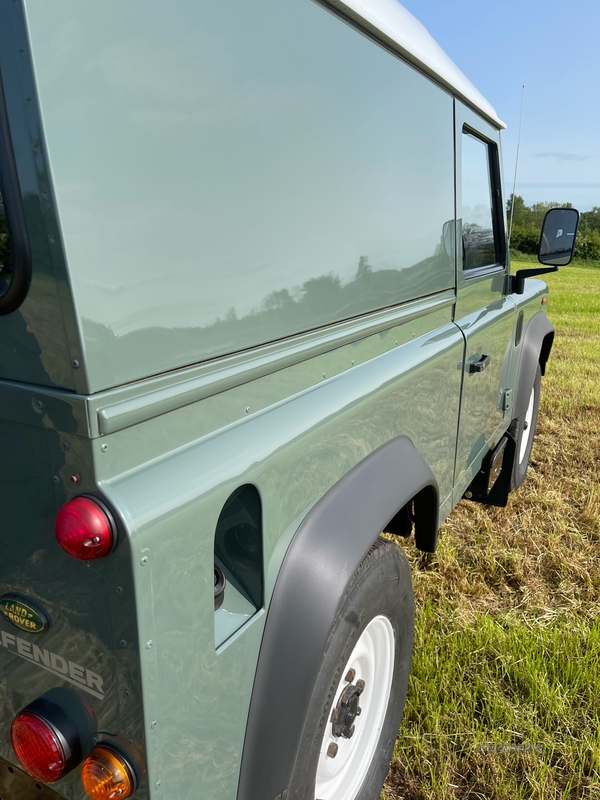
(17, 785)
(323, 556)
(16, 291)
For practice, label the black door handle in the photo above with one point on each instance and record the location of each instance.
(480, 365)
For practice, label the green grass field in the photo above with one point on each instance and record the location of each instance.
(504, 696)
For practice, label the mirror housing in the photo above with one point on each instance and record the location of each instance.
(556, 247)
(557, 240)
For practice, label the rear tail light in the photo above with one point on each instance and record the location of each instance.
(107, 775)
(53, 734)
(85, 528)
(38, 747)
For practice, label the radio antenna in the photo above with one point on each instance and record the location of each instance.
(512, 202)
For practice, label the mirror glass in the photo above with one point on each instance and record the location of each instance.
(557, 241)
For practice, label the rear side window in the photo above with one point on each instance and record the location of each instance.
(480, 234)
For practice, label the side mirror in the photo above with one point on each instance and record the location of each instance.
(557, 241)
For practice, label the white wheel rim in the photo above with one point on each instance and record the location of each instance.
(372, 659)
(527, 432)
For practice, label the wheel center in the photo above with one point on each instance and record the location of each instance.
(347, 710)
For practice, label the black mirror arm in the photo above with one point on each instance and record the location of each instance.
(516, 283)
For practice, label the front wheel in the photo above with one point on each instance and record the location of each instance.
(523, 431)
(358, 699)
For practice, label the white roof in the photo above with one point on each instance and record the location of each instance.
(393, 24)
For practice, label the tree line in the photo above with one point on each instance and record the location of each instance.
(527, 224)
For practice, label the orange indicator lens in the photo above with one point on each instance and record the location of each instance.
(106, 775)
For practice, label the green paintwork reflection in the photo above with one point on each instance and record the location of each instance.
(219, 186)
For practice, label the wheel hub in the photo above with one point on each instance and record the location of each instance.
(347, 710)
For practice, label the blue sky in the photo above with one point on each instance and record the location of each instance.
(554, 49)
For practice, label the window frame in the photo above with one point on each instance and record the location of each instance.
(498, 227)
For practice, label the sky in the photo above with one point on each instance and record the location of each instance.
(552, 48)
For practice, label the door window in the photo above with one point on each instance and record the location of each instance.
(479, 214)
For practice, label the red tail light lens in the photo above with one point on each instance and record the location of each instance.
(85, 529)
(38, 747)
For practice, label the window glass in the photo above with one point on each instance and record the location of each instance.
(479, 248)
(5, 255)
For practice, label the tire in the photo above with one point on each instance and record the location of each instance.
(522, 429)
(372, 634)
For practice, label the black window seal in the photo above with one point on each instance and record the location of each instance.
(497, 216)
(15, 293)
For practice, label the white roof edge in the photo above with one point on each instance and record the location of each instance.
(390, 21)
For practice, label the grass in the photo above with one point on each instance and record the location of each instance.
(503, 695)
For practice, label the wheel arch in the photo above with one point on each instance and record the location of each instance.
(535, 349)
(324, 554)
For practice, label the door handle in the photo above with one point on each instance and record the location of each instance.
(480, 365)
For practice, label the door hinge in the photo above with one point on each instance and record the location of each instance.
(507, 400)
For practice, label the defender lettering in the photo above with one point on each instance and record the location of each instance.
(69, 671)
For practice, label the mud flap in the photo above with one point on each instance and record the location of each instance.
(491, 485)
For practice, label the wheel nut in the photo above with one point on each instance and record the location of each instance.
(332, 750)
(350, 675)
(361, 686)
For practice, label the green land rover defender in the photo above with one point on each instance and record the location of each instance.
(256, 308)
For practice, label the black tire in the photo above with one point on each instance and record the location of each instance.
(381, 585)
(519, 429)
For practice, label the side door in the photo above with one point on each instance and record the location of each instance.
(484, 313)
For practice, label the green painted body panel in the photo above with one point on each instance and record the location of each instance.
(223, 184)
(241, 276)
(293, 452)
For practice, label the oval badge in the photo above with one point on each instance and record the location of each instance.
(23, 614)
